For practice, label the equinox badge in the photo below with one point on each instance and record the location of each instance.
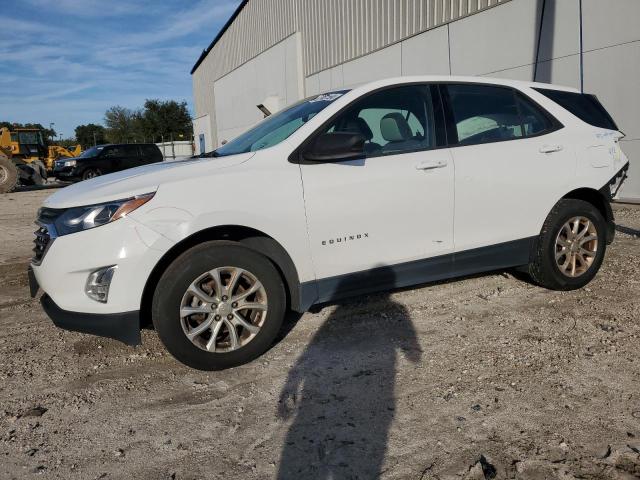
(348, 238)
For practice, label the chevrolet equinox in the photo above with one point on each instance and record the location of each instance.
(426, 177)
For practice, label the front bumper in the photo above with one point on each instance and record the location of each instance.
(64, 172)
(124, 327)
(63, 270)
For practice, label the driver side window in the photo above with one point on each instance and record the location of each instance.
(393, 121)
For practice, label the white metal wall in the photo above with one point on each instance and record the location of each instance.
(176, 150)
(274, 73)
(332, 32)
(336, 31)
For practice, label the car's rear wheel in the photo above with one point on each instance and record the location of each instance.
(218, 305)
(91, 173)
(571, 246)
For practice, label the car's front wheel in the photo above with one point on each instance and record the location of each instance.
(571, 246)
(218, 305)
(91, 173)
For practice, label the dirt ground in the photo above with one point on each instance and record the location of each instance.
(484, 377)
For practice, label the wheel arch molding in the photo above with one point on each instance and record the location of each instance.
(601, 199)
(248, 237)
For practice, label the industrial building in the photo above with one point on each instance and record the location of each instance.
(275, 52)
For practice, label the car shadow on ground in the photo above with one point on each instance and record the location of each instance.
(341, 392)
(47, 186)
(629, 231)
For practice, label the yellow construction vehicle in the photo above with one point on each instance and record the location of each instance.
(27, 144)
(56, 152)
(21, 158)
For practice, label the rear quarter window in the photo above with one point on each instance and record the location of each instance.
(150, 151)
(584, 106)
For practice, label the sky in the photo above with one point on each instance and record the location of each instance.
(67, 61)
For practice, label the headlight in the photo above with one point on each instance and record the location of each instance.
(70, 163)
(83, 218)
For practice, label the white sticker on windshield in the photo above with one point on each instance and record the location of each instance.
(326, 97)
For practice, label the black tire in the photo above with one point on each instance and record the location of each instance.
(91, 173)
(543, 267)
(8, 175)
(175, 281)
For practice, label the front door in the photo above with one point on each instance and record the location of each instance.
(390, 210)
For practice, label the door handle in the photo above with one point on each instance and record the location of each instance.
(550, 148)
(431, 164)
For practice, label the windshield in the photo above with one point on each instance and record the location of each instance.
(278, 127)
(30, 138)
(92, 152)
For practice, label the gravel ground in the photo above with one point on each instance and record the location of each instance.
(484, 377)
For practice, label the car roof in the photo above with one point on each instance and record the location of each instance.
(123, 144)
(457, 79)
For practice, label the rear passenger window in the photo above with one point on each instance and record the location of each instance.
(129, 150)
(586, 107)
(486, 113)
(534, 121)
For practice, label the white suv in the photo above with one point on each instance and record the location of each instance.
(395, 183)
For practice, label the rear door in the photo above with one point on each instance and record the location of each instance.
(130, 156)
(512, 163)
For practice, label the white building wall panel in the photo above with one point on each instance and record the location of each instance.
(560, 34)
(336, 31)
(332, 32)
(613, 74)
(267, 75)
(609, 23)
(611, 71)
(375, 66)
(202, 126)
(427, 53)
(560, 71)
(506, 41)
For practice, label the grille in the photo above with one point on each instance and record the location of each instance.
(46, 232)
(41, 243)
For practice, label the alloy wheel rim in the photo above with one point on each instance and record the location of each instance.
(576, 247)
(4, 174)
(223, 309)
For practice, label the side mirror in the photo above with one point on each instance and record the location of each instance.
(336, 147)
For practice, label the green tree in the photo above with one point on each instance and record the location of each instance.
(157, 120)
(120, 124)
(168, 119)
(90, 135)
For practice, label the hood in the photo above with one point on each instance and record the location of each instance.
(139, 180)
